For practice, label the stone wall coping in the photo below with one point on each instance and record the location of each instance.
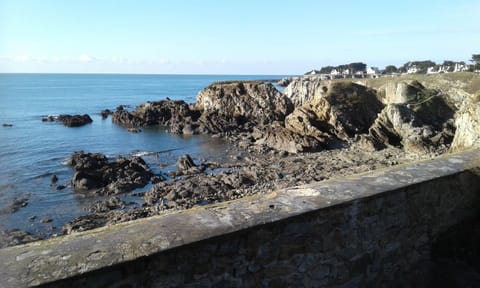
(70, 255)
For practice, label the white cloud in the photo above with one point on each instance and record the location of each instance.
(85, 58)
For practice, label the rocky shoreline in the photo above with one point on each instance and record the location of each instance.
(314, 130)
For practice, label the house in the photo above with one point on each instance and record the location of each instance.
(412, 69)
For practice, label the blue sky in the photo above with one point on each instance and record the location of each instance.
(230, 37)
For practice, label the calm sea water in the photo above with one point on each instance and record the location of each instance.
(32, 150)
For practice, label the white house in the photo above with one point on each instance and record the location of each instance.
(373, 71)
(459, 67)
(412, 69)
(334, 72)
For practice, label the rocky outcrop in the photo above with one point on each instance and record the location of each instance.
(400, 92)
(69, 120)
(303, 89)
(220, 108)
(347, 109)
(241, 102)
(95, 174)
(343, 112)
(105, 113)
(284, 82)
(417, 119)
(280, 138)
(467, 123)
(75, 120)
(173, 114)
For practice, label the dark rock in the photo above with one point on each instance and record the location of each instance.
(105, 113)
(173, 114)
(60, 187)
(15, 205)
(107, 205)
(134, 130)
(83, 223)
(49, 118)
(87, 161)
(157, 179)
(75, 120)
(94, 173)
(184, 163)
(46, 220)
(15, 237)
(54, 178)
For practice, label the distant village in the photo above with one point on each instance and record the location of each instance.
(362, 70)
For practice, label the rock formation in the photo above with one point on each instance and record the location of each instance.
(239, 103)
(415, 118)
(220, 108)
(75, 120)
(95, 174)
(346, 109)
(303, 89)
(467, 123)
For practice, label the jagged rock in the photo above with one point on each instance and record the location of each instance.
(303, 89)
(348, 109)
(105, 113)
(400, 92)
(75, 120)
(422, 124)
(237, 103)
(83, 223)
(284, 82)
(173, 114)
(134, 130)
(87, 161)
(281, 139)
(184, 163)
(94, 172)
(49, 118)
(16, 204)
(107, 205)
(467, 123)
(15, 237)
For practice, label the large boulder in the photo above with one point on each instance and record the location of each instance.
(173, 114)
(94, 173)
(347, 109)
(75, 120)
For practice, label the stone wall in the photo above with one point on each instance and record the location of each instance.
(371, 230)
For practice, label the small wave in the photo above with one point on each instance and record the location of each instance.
(144, 153)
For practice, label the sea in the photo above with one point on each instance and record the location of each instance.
(31, 151)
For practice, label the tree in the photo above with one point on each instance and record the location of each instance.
(476, 61)
(357, 67)
(476, 58)
(390, 69)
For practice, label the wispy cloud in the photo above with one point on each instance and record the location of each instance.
(85, 58)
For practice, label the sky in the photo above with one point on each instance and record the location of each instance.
(230, 36)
